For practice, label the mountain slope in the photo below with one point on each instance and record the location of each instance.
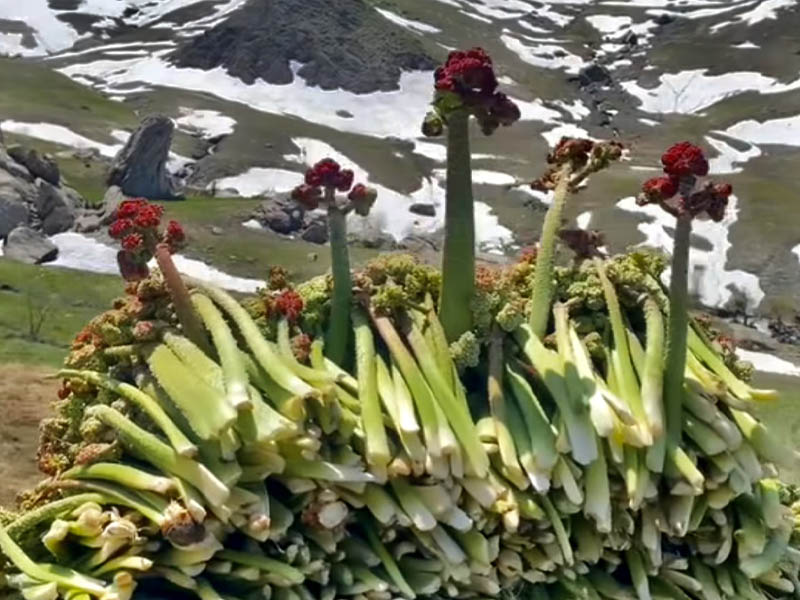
(725, 73)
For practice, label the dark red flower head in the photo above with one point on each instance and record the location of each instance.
(129, 209)
(658, 189)
(120, 228)
(363, 198)
(307, 196)
(132, 242)
(344, 180)
(149, 216)
(470, 75)
(684, 159)
(289, 304)
(325, 173)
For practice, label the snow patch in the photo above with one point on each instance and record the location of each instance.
(60, 135)
(542, 54)
(708, 277)
(209, 123)
(553, 136)
(767, 363)
(689, 92)
(410, 24)
(785, 131)
(259, 181)
(729, 159)
(382, 114)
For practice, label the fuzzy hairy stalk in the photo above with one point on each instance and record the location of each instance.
(677, 330)
(338, 333)
(190, 322)
(543, 284)
(458, 261)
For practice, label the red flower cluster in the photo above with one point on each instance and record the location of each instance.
(136, 226)
(328, 173)
(685, 159)
(470, 75)
(683, 162)
(307, 196)
(289, 304)
(659, 189)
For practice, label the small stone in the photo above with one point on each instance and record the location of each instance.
(28, 246)
(345, 114)
(217, 230)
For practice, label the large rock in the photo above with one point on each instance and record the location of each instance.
(15, 196)
(39, 165)
(343, 44)
(281, 215)
(56, 207)
(11, 166)
(140, 168)
(29, 246)
(111, 201)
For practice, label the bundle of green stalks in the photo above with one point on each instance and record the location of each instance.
(261, 468)
(571, 434)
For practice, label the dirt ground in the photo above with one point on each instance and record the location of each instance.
(25, 397)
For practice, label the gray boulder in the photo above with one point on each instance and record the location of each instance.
(11, 166)
(111, 201)
(282, 215)
(56, 207)
(39, 165)
(15, 196)
(29, 246)
(140, 168)
(316, 232)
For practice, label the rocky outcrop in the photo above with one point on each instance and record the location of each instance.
(16, 196)
(29, 246)
(342, 44)
(140, 168)
(90, 221)
(33, 193)
(42, 166)
(56, 207)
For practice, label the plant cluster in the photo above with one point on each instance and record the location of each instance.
(577, 435)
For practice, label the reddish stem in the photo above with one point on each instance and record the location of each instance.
(190, 322)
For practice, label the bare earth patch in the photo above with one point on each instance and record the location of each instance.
(25, 397)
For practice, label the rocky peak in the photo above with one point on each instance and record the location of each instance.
(342, 44)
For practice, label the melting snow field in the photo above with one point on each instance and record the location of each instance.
(209, 123)
(767, 363)
(390, 213)
(382, 114)
(708, 277)
(61, 135)
(77, 251)
(689, 92)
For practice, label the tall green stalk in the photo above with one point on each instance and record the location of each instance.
(677, 329)
(458, 261)
(338, 333)
(543, 284)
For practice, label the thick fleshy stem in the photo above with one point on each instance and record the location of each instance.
(677, 331)
(458, 261)
(181, 300)
(338, 334)
(543, 284)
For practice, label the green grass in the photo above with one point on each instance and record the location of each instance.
(783, 416)
(68, 298)
(33, 92)
(245, 252)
